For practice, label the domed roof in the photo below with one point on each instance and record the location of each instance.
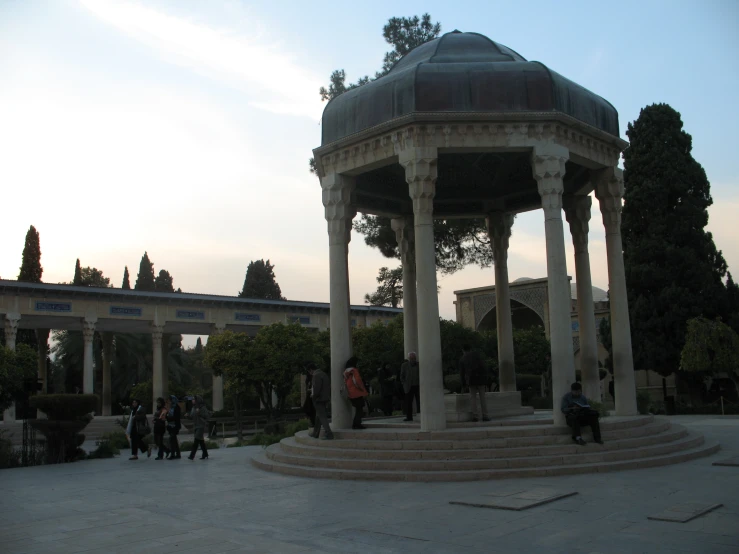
(599, 295)
(464, 73)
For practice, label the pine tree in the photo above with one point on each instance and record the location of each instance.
(126, 285)
(260, 282)
(145, 278)
(164, 282)
(390, 289)
(77, 280)
(673, 271)
(31, 269)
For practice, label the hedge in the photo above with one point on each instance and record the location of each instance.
(64, 407)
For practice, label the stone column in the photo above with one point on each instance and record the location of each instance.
(218, 379)
(165, 362)
(421, 172)
(609, 189)
(156, 350)
(42, 338)
(499, 230)
(548, 164)
(577, 211)
(404, 235)
(339, 211)
(88, 334)
(11, 331)
(107, 359)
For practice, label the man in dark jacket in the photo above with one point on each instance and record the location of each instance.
(321, 395)
(578, 413)
(173, 428)
(474, 374)
(386, 379)
(410, 377)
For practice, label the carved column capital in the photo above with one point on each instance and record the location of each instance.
(499, 230)
(609, 190)
(548, 166)
(11, 324)
(403, 228)
(156, 335)
(337, 202)
(88, 329)
(217, 329)
(577, 212)
(421, 172)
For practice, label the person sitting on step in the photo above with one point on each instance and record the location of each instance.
(578, 412)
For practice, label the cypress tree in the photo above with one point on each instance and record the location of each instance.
(126, 285)
(77, 274)
(145, 278)
(260, 282)
(31, 269)
(673, 270)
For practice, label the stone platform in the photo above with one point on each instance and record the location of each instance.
(499, 404)
(506, 448)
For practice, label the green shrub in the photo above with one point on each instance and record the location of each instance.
(600, 408)
(104, 450)
(643, 400)
(117, 439)
(265, 439)
(300, 425)
(210, 445)
(64, 407)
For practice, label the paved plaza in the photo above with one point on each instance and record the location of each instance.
(226, 505)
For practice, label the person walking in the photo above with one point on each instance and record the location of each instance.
(474, 374)
(160, 426)
(356, 390)
(199, 415)
(409, 376)
(173, 428)
(386, 379)
(137, 429)
(308, 407)
(320, 393)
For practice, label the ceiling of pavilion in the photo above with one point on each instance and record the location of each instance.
(468, 185)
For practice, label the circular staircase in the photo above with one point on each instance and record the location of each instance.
(478, 451)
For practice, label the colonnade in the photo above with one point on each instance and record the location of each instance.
(160, 347)
(420, 300)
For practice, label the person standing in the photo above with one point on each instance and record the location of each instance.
(386, 380)
(409, 376)
(173, 428)
(356, 390)
(199, 415)
(320, 393)
(308, 407)
(136, 430)
(160, 426)
(474, 374)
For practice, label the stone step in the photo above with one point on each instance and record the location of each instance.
(589, 454)
(326, 450)
(485, 431)
(463, 442)
(262, 460)
(502, 422)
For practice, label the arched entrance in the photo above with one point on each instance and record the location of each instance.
(522, 317)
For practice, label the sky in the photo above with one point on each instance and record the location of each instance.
(184, 128)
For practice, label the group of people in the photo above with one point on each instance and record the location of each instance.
(474, 376)
(166, 419)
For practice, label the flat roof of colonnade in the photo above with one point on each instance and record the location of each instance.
(52, 306)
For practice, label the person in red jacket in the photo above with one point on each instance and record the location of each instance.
(356, 390)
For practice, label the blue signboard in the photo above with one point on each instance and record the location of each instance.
(53, 306)
(247, 317)
(188, 314)
(302, 319)
(576, 326)
(126, 310)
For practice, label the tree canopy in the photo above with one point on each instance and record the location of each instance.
(77, 279)
(15, 367)
(711, 347)
(390, 289)
(260, 282)
(145, 278)
(31, 270)
(164, 282)
(673, 270)
(126, 284)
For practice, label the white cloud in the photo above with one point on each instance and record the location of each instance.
(253, 63)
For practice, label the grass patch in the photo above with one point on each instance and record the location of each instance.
(117, 439)
(105, 449)
(265, 439)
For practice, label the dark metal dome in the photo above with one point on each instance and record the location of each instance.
(464, 73)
